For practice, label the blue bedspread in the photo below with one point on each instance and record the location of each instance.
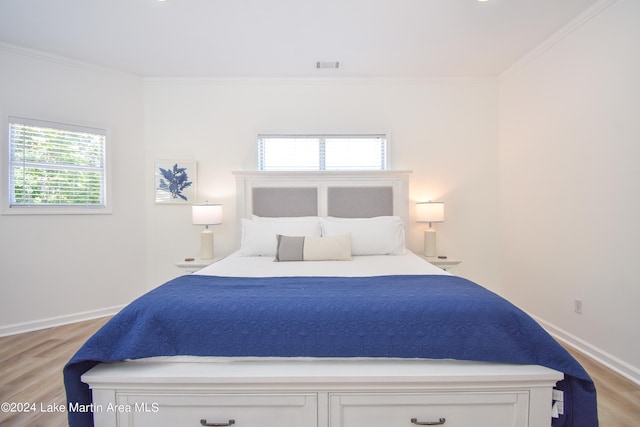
(386, 316)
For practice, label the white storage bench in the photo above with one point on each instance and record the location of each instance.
(321, 393)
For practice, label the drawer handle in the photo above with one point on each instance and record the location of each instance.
(428, 423)
(204, 422)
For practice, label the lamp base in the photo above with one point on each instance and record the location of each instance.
(430, 242)
(206, 244)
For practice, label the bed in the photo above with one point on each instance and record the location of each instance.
(323, 318)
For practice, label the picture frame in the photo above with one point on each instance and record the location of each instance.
(175, 182)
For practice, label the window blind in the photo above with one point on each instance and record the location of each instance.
(322, 152)
(55, 164)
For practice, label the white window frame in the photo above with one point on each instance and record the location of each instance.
(384, 153)
(5, 180)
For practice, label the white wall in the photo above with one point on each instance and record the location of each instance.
(445, 131)
(56, 268)
(570, 185)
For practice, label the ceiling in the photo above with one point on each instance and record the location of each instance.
(285, 38)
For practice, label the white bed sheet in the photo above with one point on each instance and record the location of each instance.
(236, 265)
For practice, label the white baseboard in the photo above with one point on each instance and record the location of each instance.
(632, 373)
(35, 325)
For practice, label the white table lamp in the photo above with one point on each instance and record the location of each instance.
(206, 215)
(430, 212)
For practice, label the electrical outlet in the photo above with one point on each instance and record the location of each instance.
(577, 305)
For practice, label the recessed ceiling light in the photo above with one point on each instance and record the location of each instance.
(328, 65)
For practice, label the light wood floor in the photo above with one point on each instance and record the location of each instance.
(31, 372)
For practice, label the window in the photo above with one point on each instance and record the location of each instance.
(53, 166)
(322, 152)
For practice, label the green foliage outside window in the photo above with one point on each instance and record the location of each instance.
(56, 167)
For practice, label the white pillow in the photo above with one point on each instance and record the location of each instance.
(259, 235)
(335, 248)
(382, 235)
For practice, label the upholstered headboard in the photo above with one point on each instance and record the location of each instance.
(354, 194)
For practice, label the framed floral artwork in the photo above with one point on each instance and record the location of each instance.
(175, 181)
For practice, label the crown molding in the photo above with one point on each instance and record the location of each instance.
(186, 81)
(61, 60)
(557, 37)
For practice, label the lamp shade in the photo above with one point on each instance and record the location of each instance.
(430, 212)
(206, 214)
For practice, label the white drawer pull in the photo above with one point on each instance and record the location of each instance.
(204, 422)
(428, 423)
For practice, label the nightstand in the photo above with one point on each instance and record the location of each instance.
(195, 265)
(443, 263)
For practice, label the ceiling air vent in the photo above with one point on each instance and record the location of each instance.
(325, 65)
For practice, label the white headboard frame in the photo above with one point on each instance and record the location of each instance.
(322, 181)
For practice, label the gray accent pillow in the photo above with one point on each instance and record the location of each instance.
(289, 248)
